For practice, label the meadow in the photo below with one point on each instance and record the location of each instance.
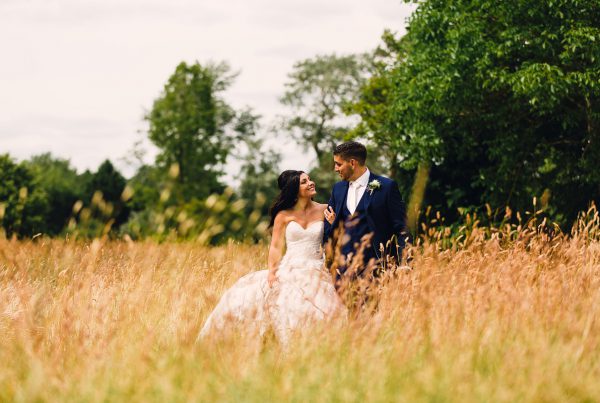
(506, 314)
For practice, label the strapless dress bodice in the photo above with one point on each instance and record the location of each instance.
(303, 246)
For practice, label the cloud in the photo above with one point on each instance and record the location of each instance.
(93, 139)
(76, 75)
(285, 51)
(294, 14)
(111, 11)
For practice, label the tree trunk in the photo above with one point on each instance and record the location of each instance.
(417, 195)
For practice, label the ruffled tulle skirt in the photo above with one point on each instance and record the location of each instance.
(302, 295)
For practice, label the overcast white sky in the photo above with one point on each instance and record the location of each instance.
(77, 75)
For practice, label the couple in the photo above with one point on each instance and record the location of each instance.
(298, 289)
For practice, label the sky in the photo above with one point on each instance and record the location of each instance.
(77, 76)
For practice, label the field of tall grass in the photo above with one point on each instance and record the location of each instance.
(494, 314)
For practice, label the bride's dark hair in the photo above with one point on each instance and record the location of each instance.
(289, 185)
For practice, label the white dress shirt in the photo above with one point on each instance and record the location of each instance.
(356, 190)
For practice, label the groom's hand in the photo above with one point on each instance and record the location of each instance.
(329, 214)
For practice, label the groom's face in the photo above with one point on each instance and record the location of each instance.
(344, 168)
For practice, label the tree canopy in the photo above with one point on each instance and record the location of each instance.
(23, 204)
(188, 123)
(317, 95)
(501, 98)
(62, 186)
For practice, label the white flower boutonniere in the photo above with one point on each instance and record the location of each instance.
(373, 186)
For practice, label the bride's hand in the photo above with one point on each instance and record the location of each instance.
(271, 278)
(329, 215)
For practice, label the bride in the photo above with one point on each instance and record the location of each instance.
(297, 289)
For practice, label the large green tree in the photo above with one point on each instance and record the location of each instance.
(501, 99)
(188, 123)
(62, 185)
(23, 204)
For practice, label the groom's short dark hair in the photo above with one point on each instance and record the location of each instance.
(352, 149)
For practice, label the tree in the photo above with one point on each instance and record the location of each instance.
(104, 190)
(188, 123)
(60, 182)
(378, 124)
(146, 186)
(406, 157)
(501, 100)
(258, 176)
(317, 94)
(23, 205)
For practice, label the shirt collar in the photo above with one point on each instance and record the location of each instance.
(363, 180)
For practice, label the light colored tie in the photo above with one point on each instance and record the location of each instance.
(352, 191)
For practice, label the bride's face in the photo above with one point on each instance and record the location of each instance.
(307, 187)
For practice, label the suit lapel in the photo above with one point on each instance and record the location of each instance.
(368, 193)
(343, 196)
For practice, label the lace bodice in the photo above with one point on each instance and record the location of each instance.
(303, 246)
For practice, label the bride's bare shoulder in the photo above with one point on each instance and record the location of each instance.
(283, 217)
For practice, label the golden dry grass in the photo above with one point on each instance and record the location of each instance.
(487, 320)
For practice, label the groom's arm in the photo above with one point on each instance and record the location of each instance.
(397, 213)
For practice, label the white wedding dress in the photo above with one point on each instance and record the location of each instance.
(303, 293)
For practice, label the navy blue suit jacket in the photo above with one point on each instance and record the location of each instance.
(386, 214)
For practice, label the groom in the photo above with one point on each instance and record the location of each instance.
(363, 203)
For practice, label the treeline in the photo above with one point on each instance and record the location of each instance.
(46, 195)
(480, 108)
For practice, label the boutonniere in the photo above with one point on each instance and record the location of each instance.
(373, 186)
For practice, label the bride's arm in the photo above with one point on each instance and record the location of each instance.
(276, 247)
